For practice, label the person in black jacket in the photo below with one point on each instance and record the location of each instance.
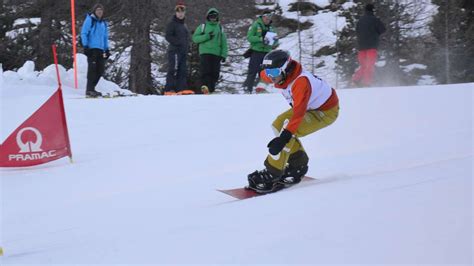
(369, 28)
(177, 35)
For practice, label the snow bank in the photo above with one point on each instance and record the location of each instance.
(26, 76)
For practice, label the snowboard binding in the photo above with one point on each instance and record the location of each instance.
(263, 182)
(293, 175)
(93, 94)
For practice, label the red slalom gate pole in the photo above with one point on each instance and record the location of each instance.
(55, 56)
(64, 122)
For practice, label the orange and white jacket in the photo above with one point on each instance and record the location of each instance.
(304, 92)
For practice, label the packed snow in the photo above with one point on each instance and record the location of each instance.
(394, 180)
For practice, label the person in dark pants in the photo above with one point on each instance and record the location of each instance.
(368, 29)
(210, 66)
(213, 50)
(95, 40)
(177, 35)
(260, 45)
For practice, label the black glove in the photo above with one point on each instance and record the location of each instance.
(277, 144)
(211, 35)
(223, 60)
(87, 51)
(107, 54)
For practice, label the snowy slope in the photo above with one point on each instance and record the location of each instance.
(394, 181)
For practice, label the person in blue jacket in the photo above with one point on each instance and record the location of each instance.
(95, 40)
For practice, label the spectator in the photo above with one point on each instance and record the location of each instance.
(368, 29)
(95, 40)
(177, 35)
(262, 38)
(213, 50)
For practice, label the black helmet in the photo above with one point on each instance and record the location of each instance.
(276, 63)
(276, 59)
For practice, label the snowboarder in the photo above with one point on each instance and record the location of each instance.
(314, 105)
(213, 50)
(368, 29)
(95, 40)
(262, 38)
(177, 35)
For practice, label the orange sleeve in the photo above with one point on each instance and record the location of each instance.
(264, 77)
(301, 92)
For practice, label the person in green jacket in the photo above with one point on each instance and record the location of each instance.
(213, 50)
(262, 37)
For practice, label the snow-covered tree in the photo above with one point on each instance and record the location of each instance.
(453, 30)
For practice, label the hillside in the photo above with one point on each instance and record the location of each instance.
(394, 182)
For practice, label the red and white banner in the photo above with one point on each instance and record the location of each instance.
(40, 139)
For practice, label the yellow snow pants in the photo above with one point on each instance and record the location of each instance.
(293, 153)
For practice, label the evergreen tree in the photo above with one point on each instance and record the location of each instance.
(140, 56)
(15, 44)
(6, 25)
(347, 44)
(453, 53)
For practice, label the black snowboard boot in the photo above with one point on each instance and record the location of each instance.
(93, 94)
(293, 175)
(263, 181)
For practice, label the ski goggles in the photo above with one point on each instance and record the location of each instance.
(273, 72)
(213, 15)
(268, 15)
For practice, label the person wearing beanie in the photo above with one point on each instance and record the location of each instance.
(177, 35)
(213, 49)
(95, 40)
(262, 38)
(368, 29)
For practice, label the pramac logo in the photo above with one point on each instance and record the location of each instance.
(29, 146)
(30, 150)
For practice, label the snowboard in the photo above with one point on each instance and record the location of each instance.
(114, 94)
(246, 193)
